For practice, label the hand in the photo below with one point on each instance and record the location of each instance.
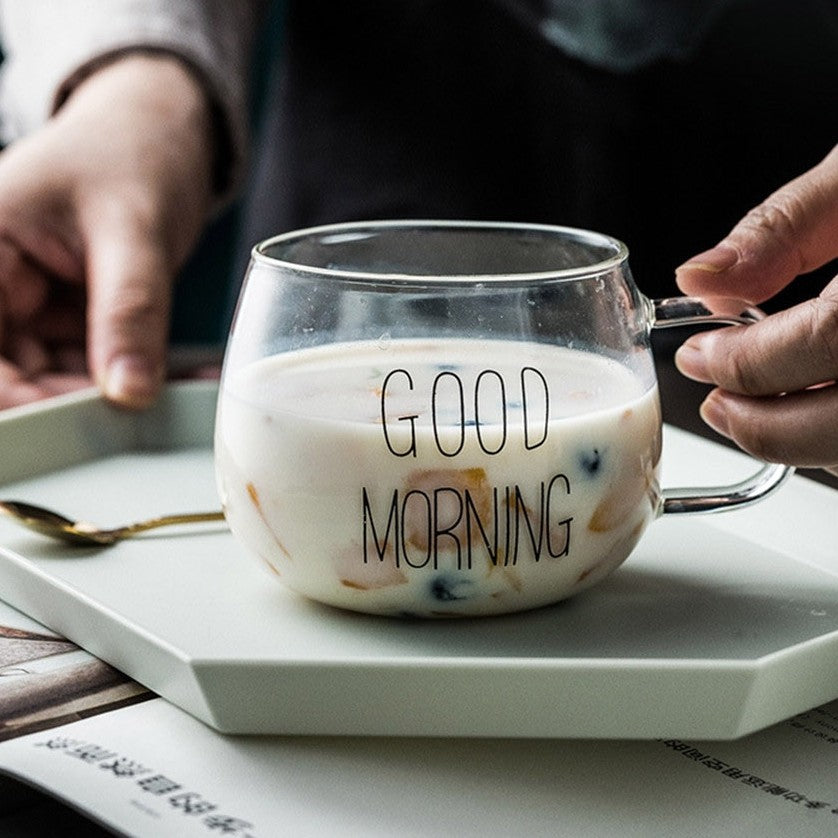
(776, 393)
(98, 210)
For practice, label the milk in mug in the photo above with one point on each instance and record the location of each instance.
(438, 477)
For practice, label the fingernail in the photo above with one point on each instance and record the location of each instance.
(717, 259)
(691, 360)
(713, 412)
(131, 380)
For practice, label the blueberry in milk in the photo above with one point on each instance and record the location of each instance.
(449, 588)
(590, 461)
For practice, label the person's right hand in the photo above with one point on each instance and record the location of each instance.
(776, 381)
(98, 210)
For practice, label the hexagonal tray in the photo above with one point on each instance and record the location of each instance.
(715, 627)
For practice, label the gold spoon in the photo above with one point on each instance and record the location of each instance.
(56, 526)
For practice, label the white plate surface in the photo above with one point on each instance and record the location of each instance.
(715, 627)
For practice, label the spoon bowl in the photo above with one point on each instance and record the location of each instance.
(59, 528)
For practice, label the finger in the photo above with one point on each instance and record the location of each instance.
(128, 315)
(760, 426)
(789, 351)
(70, 358)
(57, 384)
(61, 322)
(25, 288)
(790, 233)
(16, 389)
(28, 354)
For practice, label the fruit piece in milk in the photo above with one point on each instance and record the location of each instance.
(446, 477)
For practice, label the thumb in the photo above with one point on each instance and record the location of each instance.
(790, 233)
(129, 301)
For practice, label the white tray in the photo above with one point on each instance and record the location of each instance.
(715, 627)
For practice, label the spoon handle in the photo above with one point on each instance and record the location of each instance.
(165, 521)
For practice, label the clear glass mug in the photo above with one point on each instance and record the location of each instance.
(428, 418)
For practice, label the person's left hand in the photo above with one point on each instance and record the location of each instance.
(99, 208)
(776, 394)
(42, 332)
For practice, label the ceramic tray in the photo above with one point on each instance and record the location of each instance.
(715, 627)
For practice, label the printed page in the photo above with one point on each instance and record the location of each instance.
(150, 769)
(45, 680)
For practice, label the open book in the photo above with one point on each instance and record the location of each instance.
(81, 731)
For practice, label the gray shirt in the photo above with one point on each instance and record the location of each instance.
(51, 46)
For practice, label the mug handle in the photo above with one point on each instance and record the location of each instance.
(687, 311)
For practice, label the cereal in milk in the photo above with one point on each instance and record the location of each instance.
(438, 477)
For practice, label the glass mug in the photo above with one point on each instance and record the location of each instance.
(427, 418)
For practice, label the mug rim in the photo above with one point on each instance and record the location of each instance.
(356, 228)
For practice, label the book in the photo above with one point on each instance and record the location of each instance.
(137, 765)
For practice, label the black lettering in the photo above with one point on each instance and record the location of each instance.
(473, 515)
(411, 449)
(507, 505)
(565, 523)
(523, 512)
(525, 399)
(426, 513)
(449, 522)
(447, 530)
(478, 424)
(392, 523)
(462, 418)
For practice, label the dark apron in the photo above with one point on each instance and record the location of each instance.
(457, 108)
